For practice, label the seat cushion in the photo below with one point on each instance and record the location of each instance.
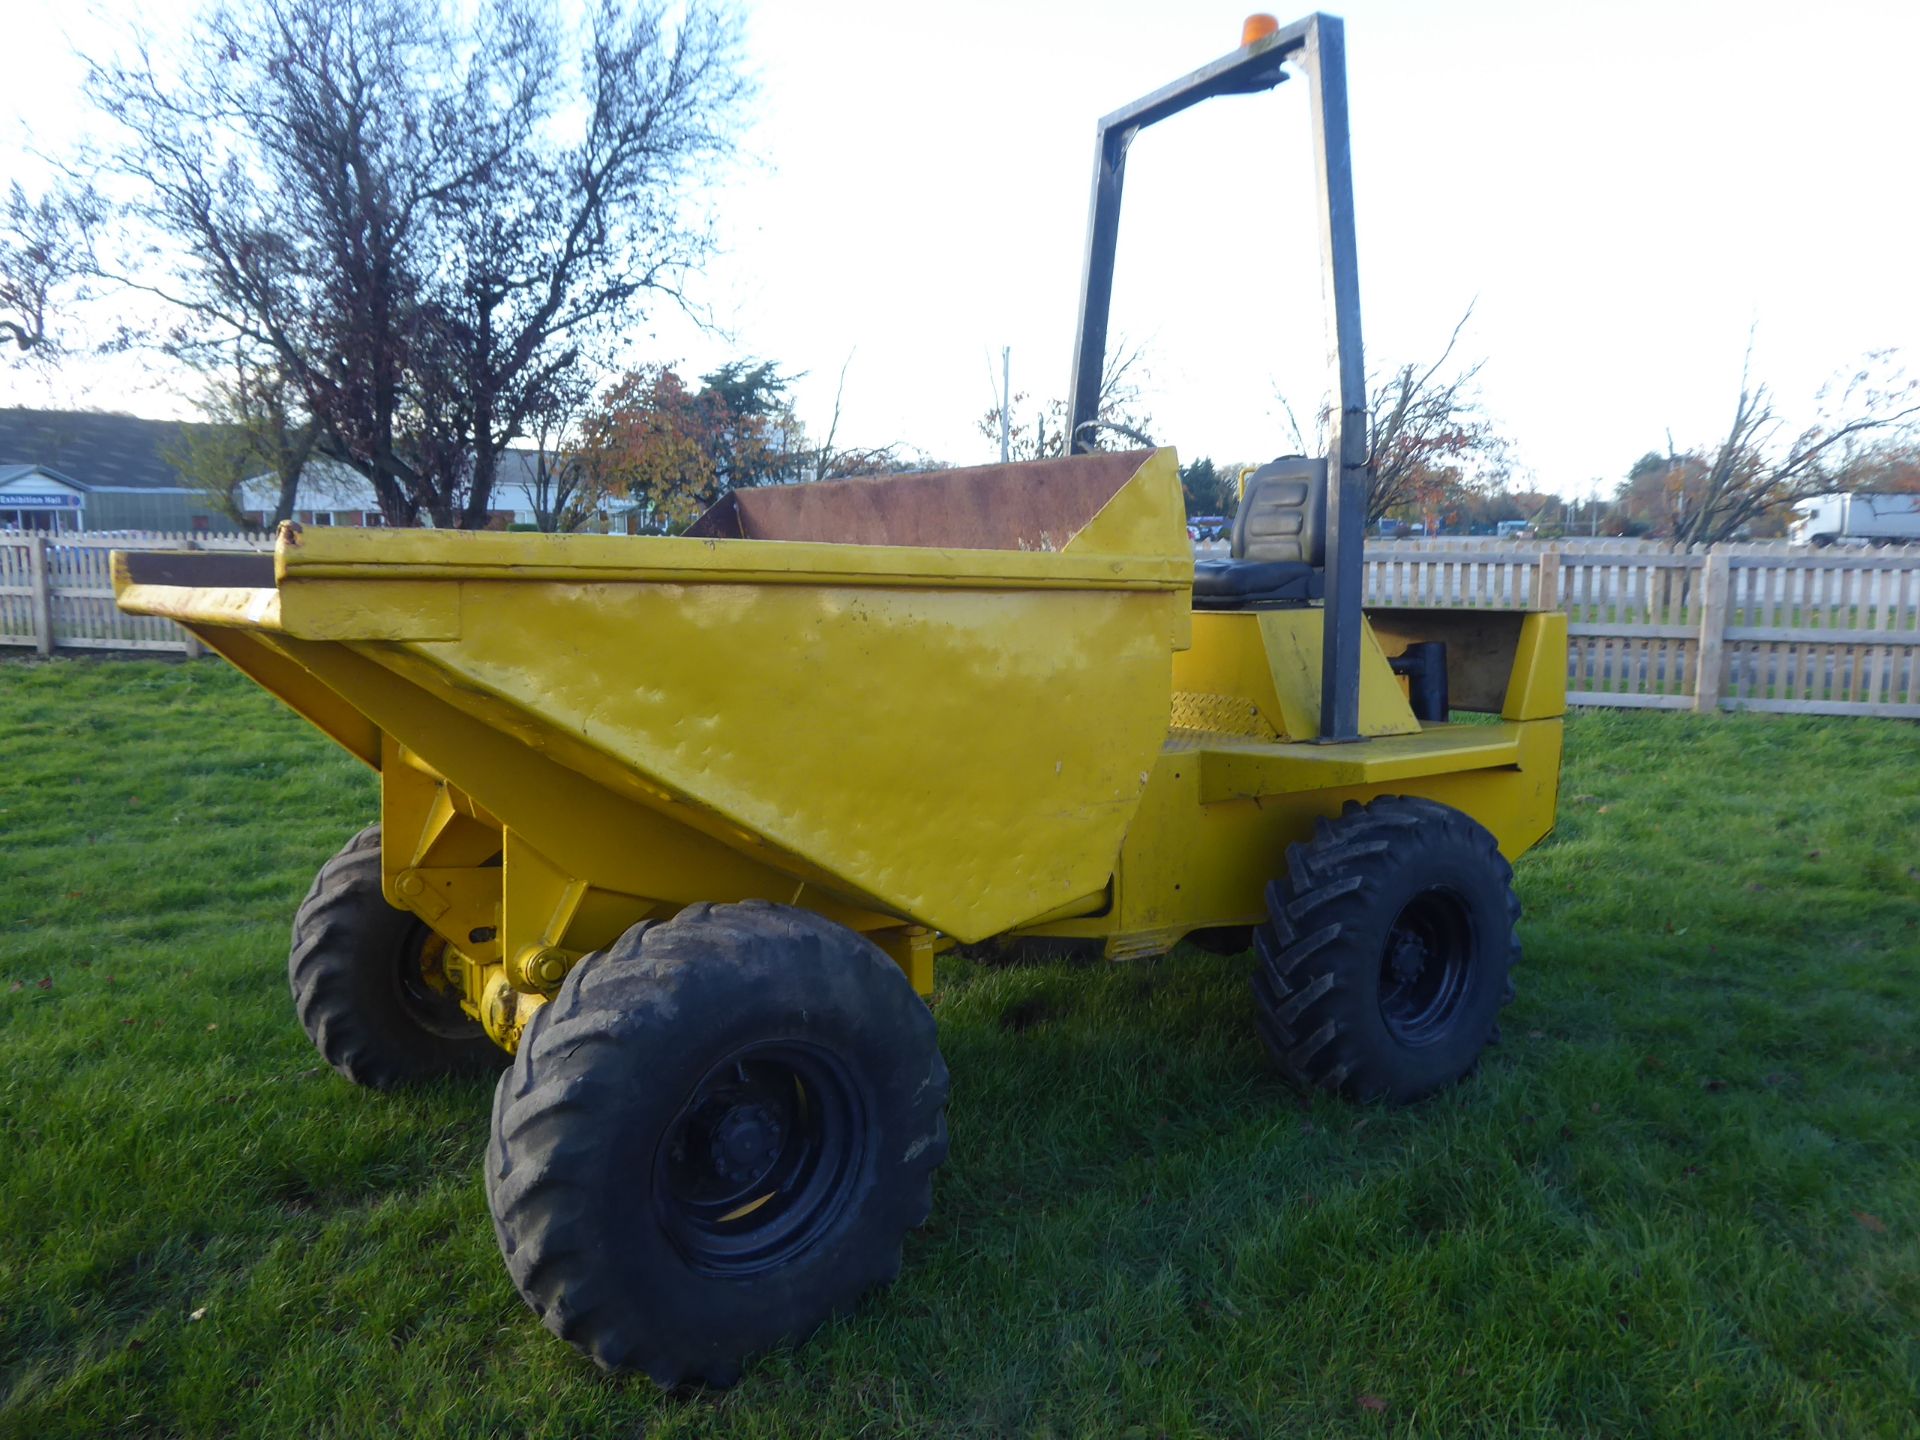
(1235, 584)
(1282, 514)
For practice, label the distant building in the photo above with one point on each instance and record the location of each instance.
(329, 494)
(90, 470)
(87, 470)
(334, 494)
(32, 497)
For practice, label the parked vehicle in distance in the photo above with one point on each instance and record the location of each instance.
(1858, 517)
(1506, 529)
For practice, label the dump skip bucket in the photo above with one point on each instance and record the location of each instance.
(932, 698)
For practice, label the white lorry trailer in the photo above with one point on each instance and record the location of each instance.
(1856, 518)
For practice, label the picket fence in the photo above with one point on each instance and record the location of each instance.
(1757, 627)
(1824, 632)
(56, 591)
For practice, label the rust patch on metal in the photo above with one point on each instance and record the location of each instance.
(1036, 505)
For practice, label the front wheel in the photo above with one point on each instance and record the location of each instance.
(1388, 951)
(714, 1138)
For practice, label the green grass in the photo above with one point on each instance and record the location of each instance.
(1682, 1197)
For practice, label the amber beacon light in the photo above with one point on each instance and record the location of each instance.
(1256, 28)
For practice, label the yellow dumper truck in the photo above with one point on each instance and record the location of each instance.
(680, 824)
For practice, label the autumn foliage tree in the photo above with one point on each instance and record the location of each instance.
(1431, 442)
(666, 450)
(1890, 465)
(670, 450)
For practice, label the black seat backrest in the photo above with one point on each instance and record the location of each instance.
(1283, 513)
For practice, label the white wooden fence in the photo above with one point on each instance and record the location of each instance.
(1746, 627)
(1760, 627)
(56, 591)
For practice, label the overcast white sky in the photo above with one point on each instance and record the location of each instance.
(1625, 188)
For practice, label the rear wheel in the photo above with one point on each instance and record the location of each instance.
(1388, 951)
(360, 983)
(714, 1138)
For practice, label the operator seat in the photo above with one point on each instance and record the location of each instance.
(1279, 547)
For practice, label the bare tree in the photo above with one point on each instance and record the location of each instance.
(560, 486)
(44, 259)
(828, 461)
(429, 213)
(1116, 412)
(1429, 435)
(1719, 493)
(256, 427)
(570, 485)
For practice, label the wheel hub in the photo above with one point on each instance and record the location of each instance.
(1408, 958)
(745, 1143)
(1425, 967)
(761, 1160)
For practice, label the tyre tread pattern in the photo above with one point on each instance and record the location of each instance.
(1329, 890)
(342, 930)
(555, 1105)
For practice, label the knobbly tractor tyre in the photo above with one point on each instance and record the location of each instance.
(1388, 951)
(715, 1137)
(359, 987)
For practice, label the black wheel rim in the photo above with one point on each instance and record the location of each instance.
(1425, 967)
(759, 1162)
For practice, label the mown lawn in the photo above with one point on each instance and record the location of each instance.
(1682, 1198)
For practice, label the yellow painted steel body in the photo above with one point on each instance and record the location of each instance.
(928, 742)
